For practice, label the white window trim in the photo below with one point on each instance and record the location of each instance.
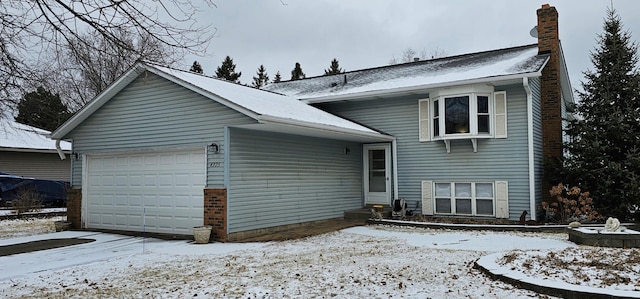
(473, 117)
(473, 197)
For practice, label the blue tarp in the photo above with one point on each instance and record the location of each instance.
(52, 193)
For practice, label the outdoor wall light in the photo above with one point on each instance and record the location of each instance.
(214, 148)
(347, 151)
(76, 156)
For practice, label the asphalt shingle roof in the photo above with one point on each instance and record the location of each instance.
(496, 63)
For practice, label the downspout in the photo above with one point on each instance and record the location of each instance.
(59, 150)
(532, 182)
(394, 161)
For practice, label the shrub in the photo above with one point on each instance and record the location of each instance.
(569, 204)
(27, 200)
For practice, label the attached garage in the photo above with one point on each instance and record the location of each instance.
(157, 192)
(164, 151)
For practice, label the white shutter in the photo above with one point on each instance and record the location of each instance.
(501, 114)
(502, 199)
(423, 119)
(427, 198)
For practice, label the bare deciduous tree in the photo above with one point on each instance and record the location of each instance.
(29, 29)
(410, 55)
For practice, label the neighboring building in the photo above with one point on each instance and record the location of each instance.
(29, 152)
(464, 135)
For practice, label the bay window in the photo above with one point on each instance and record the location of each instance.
(469, 112)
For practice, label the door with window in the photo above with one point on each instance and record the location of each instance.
(377, 174)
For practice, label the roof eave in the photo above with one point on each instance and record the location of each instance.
(417, 88)
(265, 119)
(31, 150)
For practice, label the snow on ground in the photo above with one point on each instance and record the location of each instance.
(359, 262)
(27, 227)
(4, 212)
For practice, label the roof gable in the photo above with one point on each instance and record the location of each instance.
(511, 62)
(263, 106)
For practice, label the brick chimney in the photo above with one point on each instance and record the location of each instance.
(551, 106)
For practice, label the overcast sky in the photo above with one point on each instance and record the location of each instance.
(364, 34)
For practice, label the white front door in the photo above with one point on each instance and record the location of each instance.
(377, 174)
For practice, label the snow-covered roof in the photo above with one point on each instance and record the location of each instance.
(274, 112)
(19, 137)
(487, 66)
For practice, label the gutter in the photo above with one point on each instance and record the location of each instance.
(532, 183)
(59, 150)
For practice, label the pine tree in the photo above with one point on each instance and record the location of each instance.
(227, 71)
(42, 109)
(334, 68)
(277, 78)
(262, 79)
(296, 73)
(604, 148)
(196, 68)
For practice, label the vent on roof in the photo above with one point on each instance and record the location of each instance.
(416, 59)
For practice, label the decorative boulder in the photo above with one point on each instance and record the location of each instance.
(574, 224)
(612, 225)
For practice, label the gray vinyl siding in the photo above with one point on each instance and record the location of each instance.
(44, 166)
(279, 179)
(496, 159)
(538, 160)
(153, 113)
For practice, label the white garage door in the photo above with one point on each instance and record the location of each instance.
(153, 192)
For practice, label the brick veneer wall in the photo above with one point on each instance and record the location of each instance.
(74, 205)
(215, 212)
(551, 106)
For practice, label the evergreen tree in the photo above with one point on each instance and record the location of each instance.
(227, 71)
(296, 73)
(277, 78)
(42, 109)
(334, 68)
(262, 79)
(604, 149)
(196, 68)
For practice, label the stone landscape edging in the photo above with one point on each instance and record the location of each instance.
(488, 266)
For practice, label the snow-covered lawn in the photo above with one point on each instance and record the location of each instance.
(359, 262)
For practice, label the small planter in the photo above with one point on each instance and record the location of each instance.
(201, 234)
(62, 225)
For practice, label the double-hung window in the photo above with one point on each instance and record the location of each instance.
(476, 199)
(461, 115)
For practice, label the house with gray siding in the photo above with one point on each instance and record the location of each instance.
(27, 151)
(163, 150)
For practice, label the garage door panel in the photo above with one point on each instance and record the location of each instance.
(165, 187)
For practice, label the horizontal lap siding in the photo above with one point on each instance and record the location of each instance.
(279, 179)
(496, 159)
(45, 166)
(153, 112)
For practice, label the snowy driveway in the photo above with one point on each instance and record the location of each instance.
(106, 247)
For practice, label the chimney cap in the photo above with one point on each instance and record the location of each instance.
(546, 5)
